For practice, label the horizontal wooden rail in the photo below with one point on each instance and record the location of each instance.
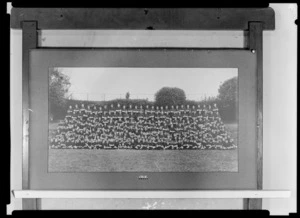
(141, 18)
(152, 194)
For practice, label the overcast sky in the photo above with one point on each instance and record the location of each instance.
(110, 83)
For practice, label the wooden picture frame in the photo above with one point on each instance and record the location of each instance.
(254, 20)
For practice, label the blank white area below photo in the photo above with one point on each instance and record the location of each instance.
(279, 96)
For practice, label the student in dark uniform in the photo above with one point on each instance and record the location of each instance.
(181, 111)
(82, 109)
(194, 112)
(215, 110)
(156, 114)
(94, 111)
(176, 111)
(69, 113)
(118, 111)
(100, 114)
(135, 112)
(88, 114)
(166, 112)
(152, 112)
(140, 113)
(80, 113)
(111, 112)
(209, 113)
(171, 113)
(130, 112)
(125, 115)
(105, 112)
(147, 113)
(76, 110)
(204, 110)
(199, 110)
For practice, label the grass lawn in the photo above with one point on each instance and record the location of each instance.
(71, 160)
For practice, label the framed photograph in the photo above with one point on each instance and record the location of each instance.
(160, 118)
(142, 118)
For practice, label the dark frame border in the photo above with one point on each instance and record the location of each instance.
(255, 20)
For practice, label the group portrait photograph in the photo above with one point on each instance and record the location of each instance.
(143, 119)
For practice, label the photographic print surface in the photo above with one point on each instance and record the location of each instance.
(143, 120)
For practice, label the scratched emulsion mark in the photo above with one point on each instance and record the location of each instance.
(150, 206)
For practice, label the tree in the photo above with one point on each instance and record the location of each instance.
(58, 88)
(228, 90)
(227, 99)
(169, 96)
(127, 95)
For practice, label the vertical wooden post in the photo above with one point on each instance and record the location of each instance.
(39, 204)
(29, 41)
(256, 47)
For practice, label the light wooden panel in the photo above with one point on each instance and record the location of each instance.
(153, 194)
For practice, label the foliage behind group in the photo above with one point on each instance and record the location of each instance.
(166, 96)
